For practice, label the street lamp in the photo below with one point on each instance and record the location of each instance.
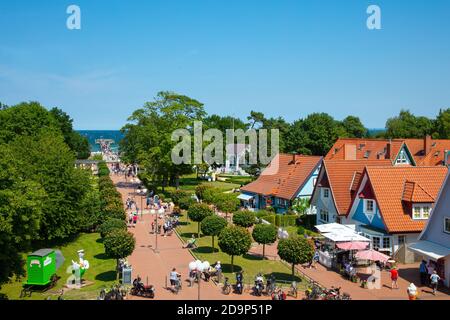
(143, 193)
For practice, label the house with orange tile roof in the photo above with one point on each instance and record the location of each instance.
(434, 241)
(392, 204)
(418, 152)
(287, 177)
(335, 188)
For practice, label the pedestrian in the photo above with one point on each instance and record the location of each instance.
(430, 269)
(423, 273)
(130, 219)
(434, 279)
(394, 278)
(135, 220)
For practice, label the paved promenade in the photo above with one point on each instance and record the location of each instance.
(156, 266)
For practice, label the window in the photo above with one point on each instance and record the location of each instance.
(401, 240)
(386, 243)
(421, 211)
(375, 242)
(447, 225)
(324, 215)
(326, 193)
(370, 206)
(402, 158)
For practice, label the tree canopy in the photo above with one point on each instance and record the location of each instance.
(212, 226)
(264, 234)
(235, 241)
(296, 250)
(244, 218)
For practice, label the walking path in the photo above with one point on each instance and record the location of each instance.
(327, 278)
(155, 266)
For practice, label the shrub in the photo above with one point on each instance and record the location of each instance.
(176, 195)
(296, 250)
(200, 190)
(235, 241)
(210, 195)
(119, 244)
(185, 202)
(264, 234)
(110, 225)
(244, 218)
(212, 226)
(199, 211)
(270, 218)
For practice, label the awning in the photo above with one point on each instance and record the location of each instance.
(430, 249)
(356, 245)
(340, 233)
(245, 197)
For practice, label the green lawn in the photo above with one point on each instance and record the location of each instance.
(189, 182)
(237, 179)
(251, 265)
(101, 271)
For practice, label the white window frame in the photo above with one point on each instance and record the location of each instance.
(325, 213)
(373, 211)
(326, 191)
(402, 158)
(421, 206)
(445, 224)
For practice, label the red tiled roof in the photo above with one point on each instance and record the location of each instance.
(436, 155)
(393, 185)
(371, 149)
(341, 174)
(287, 180)
(366, 149)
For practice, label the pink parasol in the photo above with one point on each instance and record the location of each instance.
(372, 255)
(354, 245)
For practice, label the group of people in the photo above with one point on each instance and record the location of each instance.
(428, 275)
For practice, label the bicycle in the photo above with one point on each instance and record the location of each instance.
(293, 291)
(226, 289)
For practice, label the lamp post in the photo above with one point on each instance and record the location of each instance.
(143, 192)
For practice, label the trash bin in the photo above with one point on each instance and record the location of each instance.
(126, 275)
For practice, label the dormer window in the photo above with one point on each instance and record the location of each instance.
(421, 211)
(402, 158)
(369, 206)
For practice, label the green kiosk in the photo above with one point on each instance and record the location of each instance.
(41, 271)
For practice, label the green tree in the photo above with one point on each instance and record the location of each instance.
(226, 202)
(148, 137)
(235, 241)
(119, 244)
(244, 218)
(264, 234)
(212, 226)
(354, 127)
(442, 124)
(110, 225)
(75, 141)
(301, 205)
(296, 250)
(322, 131)
(406, 125)
(186, 202)
(197, 212)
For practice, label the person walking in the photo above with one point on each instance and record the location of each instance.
(423, 272)
(434, 279)
(394, 278)
(135, 218)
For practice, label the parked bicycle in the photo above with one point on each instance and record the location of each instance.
(226, 289)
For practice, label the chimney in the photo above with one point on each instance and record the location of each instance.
(349, 151)
(427, 144)
(388, 150)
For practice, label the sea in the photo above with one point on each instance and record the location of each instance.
(92, 135)
(117, 136)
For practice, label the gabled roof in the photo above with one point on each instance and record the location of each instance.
(341, 175)
(364, 149)
(393, 185)
(293, 172)
(371, 149)
(436, 154)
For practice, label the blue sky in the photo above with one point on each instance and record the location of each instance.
(283, 58)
